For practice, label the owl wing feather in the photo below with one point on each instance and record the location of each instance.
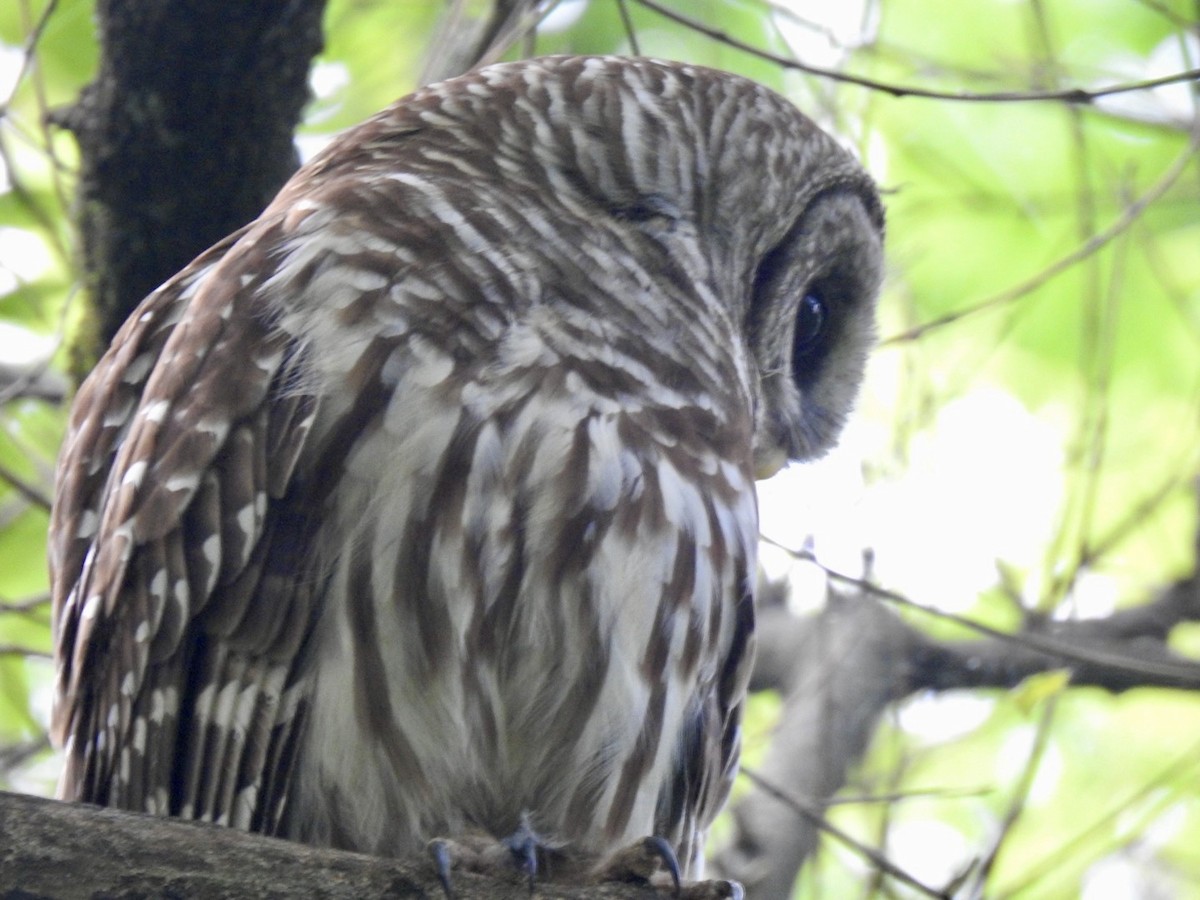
(169, 500)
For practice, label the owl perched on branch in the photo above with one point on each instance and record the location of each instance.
(424, 504)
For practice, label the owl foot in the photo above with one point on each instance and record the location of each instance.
(527, 856)
(523, 846)
(639, 862)
(522, 854)
(712, 890)
(440, 852)
(649, 860)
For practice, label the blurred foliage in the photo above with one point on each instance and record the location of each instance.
(1029, 431)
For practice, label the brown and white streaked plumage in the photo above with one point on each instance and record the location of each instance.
(426, 500)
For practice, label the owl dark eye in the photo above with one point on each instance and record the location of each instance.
(812, 318)
(810, 322)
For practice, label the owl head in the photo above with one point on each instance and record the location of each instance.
(753, 201)
(649, 179)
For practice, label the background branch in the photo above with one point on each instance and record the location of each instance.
(1067, 95)
(840, 669)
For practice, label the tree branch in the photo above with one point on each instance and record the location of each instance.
(1123, 651)
(840, 669)
(73, 850)
(845, 663)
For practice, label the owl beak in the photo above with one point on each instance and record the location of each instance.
(768, 461)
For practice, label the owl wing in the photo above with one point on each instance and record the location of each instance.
(709, 746)
(175, 694)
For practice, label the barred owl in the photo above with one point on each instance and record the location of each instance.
(425, 503)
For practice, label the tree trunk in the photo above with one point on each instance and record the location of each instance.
(185, 135)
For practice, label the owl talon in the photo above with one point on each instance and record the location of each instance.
(523, 855)
(654, 856)
(639, 861)
(666, 855)
(524, 844)
(439, 851)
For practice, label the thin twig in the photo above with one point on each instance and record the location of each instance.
(28, 652)
(18, 607)
(1134, 518)
(627, 24)
(1128, 216)
(34, 35)
(899, 796)
(1020, 796)
(1177, 771)
(1184, 671)
(15, 755)
(810, 811)
(1067, 95)
(30, 492)
(44, 123)
(519, 26)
